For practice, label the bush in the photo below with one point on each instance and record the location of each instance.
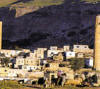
(7, 88)
(77, 63)
(8, 84)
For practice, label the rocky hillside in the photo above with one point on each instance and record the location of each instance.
(30, 26)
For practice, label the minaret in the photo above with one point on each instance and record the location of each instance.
(97, 45)
(0, 35)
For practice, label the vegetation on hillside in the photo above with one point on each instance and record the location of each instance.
(10, 85)
(6, 2)
(92, 1)
(40, 3)
(72, 87)
(77, 63)
(5, 61)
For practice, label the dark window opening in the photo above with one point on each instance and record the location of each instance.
(47, 65)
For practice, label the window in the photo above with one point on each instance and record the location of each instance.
(52, 53)
(39, 57)
(70, 54)
(77, 46)
(5, 70)
(85, 47)
(61, 65)
(47, 65)
(52, 76)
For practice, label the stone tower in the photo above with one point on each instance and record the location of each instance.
(0, 35)
(97, 45)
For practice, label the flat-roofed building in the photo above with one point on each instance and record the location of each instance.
(70, 54)
(53, 47)
(4, 71)
(66, 48)
(29, 61)
(50, 53)
(10, 53)
(54, 50)
(53, 66)
(40, 53)
(31, 67)
(19, 62)
(80, 55)
(16, 73)
(35, 74)
(58, 57)
(81, 48)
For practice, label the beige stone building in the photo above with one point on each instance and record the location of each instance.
(70, 54)
(80, 55)
(31, 67)
(26, 50)
(50, 53)
(58, 57)
(10, 53)
(53, 66)
(66, 48)
(50, 74)
(19, 62)
(54, 50)
(35, 74)
(88, 55)
(29, 61)
(53, 47)
(40, 53)
(4, 71)
(16, 73)
(82, 48)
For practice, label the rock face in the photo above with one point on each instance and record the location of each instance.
(69, 23)
(21, 9)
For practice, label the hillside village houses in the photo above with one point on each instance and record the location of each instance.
(12, 53)
(82, 48)
(80, 55)
(25, 62)
(70, 54)
(30, 60)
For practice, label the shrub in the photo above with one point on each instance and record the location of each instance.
(8, 84)
(77, 63)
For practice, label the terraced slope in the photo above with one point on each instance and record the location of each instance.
(6, 2)
(42, 3)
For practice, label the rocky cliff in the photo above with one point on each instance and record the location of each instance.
(67, 23)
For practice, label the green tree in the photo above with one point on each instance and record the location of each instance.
(77, 63)
(5, 61)
(17, 47)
